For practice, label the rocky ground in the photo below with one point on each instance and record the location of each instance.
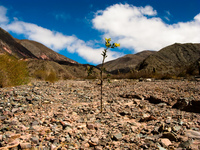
(66, 115)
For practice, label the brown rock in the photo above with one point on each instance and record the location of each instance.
(13, 144)
(193, 134)
(1, 137)
(90, 126)
(98, 148)
(166, 142)
(25, 145)
(149, 118)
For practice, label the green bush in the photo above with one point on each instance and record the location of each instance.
(51, 77)
(40, 74)
(44, 75)
(12, 71)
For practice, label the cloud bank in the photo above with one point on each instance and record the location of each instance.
(135, 28)
(139, 28)
(55, 40)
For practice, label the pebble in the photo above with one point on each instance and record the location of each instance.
(66, 114)
(166, 142)
(117, 136)
(25, 145)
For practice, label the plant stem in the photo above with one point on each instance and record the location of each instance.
(101, 76)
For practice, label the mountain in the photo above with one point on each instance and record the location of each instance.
(43, 52)
(10, 45)
(29, 49)
(126, 63)
(41, 60)
(175, 59)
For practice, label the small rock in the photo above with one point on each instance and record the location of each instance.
(14, 110)
(2, 118)
(161, 148)
(162, 105)
(166, 142)
(168, 120)
(98, 148)
(34, 123)
(117, 136)
(35, 140)
(149, 118)
(90, 126)
(176, 128)
(65, 124)
(94, 140)
(193, 134)
(12, 144)
(185, 144)
(53, 147)
(25, 145)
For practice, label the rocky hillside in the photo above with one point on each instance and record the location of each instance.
(175, 59)
(126, 63)
(10, 45)
(43, 52)
(41, 59)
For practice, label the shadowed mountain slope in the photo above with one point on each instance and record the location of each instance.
(9, 45)
(43, 52)
(40, 59)
(126, 63)
(172, 60)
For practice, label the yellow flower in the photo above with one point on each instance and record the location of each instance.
(117, 45)
(108, 40)
(108, 44)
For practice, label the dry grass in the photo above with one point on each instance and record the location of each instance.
(45, 75)
(12, 71)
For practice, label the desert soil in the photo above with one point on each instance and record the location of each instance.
(66, 115)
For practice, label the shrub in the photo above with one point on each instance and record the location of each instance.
(40, 74)
(51, 77)
(12, 71)
(44, 75)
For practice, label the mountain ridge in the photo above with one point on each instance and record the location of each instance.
(126, 63)
(41, 59)
(174, 59)
(9, 45)
(43, 52)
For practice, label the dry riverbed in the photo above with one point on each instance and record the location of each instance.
(66, 115)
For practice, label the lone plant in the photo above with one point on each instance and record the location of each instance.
(102, 69)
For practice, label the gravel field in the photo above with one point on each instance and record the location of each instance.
(159, 115)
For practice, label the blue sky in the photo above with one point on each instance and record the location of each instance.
(77, 28)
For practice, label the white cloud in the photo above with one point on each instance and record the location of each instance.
(135, 28)
(3, 18)
(138, 28)
(55, 40)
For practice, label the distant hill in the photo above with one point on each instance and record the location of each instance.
(126, 63)
(9, 45)
(43, 52)
(175, 59)
(41, 59)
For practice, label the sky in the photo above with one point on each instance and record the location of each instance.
(77, 28)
